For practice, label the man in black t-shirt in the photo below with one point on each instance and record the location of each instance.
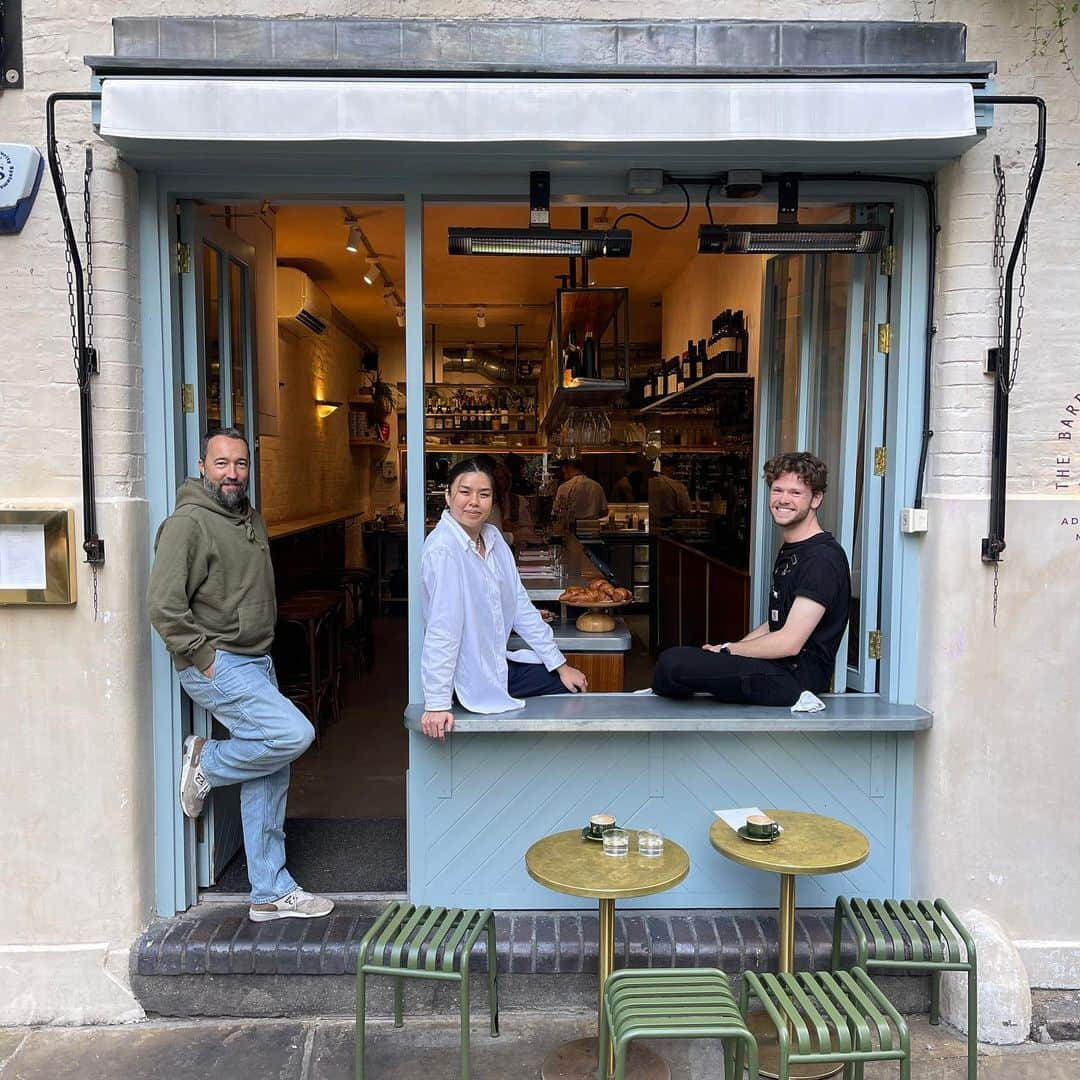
(795, 648)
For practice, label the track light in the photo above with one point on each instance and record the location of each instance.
(399, 316)
(481, 319)
(355, 241)
(373, 271)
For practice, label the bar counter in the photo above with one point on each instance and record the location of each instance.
(500, 782)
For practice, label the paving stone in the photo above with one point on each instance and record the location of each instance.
(685, 942)
(545, 944)
(660, 945)
(568, 930)
(637, 941)
(253, 1051)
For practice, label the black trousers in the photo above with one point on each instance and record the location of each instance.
(532, 680)
(739, 680)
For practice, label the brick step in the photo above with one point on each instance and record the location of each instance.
(212, 961)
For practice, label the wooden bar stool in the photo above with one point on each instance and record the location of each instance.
(359, 586)
(312, 675)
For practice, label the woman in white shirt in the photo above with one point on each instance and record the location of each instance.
(473, 599)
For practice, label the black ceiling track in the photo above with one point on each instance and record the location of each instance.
(85, 359)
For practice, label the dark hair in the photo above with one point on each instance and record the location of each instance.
(481, 463)
(809, 469)
(214, 432)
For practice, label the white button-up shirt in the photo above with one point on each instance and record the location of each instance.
(472, 603)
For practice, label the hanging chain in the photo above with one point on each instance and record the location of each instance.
(1008, 366)
(999, 249)
(89, 275)
(72, 309)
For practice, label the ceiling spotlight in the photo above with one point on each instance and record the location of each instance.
(355, 241)
(481, 319)
(399, 315)
(371, 274)
(389, 299)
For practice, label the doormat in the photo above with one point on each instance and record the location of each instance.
(332, 855)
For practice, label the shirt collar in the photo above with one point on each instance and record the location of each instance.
(463, 538)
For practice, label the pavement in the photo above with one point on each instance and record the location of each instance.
(426, 1049)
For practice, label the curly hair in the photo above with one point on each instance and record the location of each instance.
(809, 469)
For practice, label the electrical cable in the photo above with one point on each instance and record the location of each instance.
(653, 224)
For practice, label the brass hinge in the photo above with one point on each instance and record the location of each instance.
(888, 259)
(187, 397)
(881, 460)
(183, 258)
(875, 644)
(884, 338)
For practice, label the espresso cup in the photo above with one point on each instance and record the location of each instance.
(761, 827)
(599, 822)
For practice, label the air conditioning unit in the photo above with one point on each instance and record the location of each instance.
(301, 303)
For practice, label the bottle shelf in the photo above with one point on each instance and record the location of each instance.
(703, 392)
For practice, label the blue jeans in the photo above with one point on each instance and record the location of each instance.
(268, 731)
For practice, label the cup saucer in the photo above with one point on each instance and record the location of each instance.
(586, 835)
(755, 839)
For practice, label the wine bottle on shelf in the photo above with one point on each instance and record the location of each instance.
(588, 355)
(504, 413)
(571, 360)
(699, 361)
(742, 338)
(688, 363)
(647, 389)
(729, 345)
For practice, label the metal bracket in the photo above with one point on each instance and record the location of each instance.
(874, 645)
(11, 45)
(884, 338)
(881, 460)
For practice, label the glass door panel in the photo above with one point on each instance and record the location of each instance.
(823, 391)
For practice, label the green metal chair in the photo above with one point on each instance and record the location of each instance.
(419, 942)
(917, 935)
(823, 1016)
(671, 1003)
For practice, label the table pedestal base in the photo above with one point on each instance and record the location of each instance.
(769, 1053)
(577, 1061)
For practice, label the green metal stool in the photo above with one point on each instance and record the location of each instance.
(917, 935)
(823, 1016)
(419, 942)
(671, 1003)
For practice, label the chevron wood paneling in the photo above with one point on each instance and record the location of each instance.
(478, 801)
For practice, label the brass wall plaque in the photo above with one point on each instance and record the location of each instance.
(37, 557)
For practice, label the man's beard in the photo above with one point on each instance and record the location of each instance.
(231, 498)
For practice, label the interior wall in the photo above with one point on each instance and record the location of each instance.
(308, 467)
(708, 285)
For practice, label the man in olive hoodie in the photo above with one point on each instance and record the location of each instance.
(211, 598)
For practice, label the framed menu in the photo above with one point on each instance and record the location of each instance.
(37, 557)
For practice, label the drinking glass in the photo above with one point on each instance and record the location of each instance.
(616, 842)
(650, 842)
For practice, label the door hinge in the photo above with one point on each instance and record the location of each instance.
(183, 258)
(881, 460)
(874, 644)
(888, 259)
(884, 338)
(187, 397)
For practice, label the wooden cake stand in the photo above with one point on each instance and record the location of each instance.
(595, 619)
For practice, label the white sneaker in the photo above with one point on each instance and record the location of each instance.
(295, 905)
(194, 787)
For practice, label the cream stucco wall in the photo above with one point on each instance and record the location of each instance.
(75, 808)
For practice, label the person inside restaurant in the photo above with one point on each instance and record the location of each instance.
(578, 497)
(794, 650)
(668, 497)
(472, 599)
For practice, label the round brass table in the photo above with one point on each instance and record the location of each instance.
(569, 864)
(809, 844)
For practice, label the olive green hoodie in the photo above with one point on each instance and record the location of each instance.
(212, 585)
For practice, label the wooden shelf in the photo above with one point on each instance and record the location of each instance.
(369, 442)
(588, 393)
(700, 393)
(589, 309)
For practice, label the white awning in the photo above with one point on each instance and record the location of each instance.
(849, 122)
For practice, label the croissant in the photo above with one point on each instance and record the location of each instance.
(622, 594)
